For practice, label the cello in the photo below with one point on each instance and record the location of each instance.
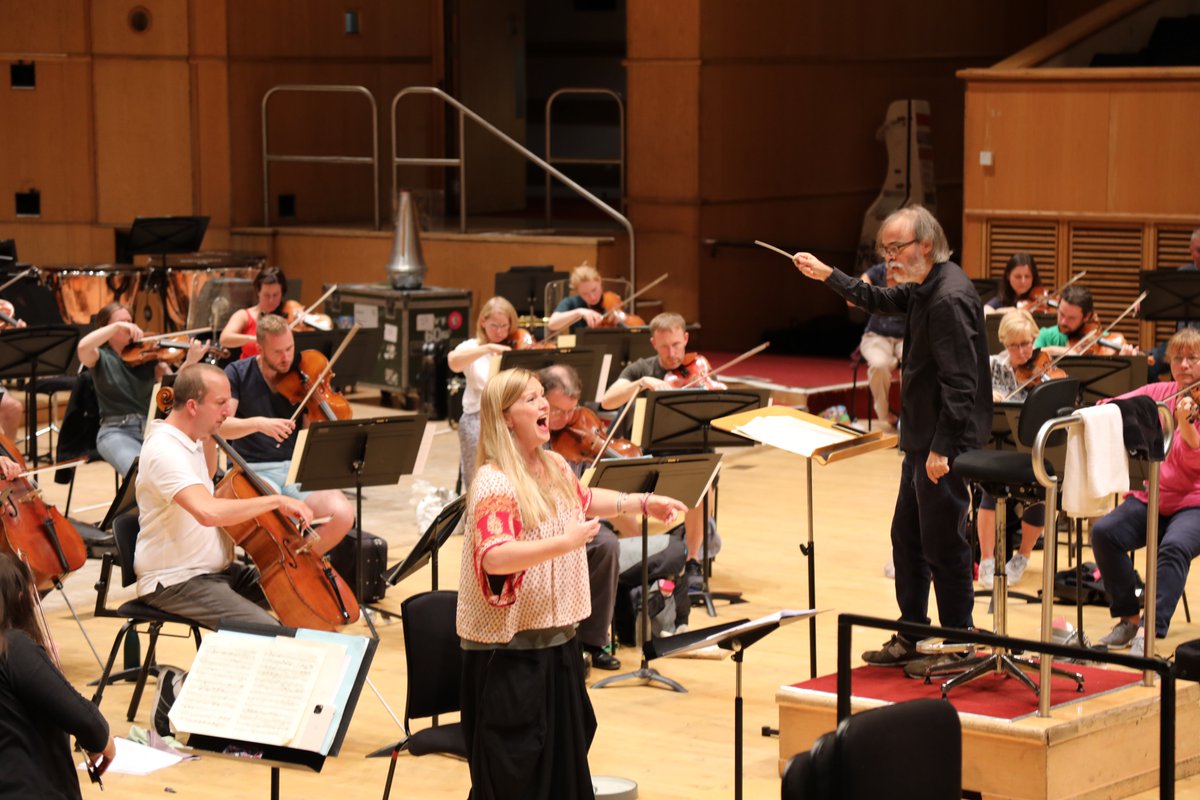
(303, 588)
(35, 532)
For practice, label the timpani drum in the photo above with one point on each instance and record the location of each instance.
(81, 291)
(205, 289)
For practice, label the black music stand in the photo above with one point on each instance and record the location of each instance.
(987, 288)
(375, 451)
(28, 352)
(427, 547)
(625, 344)
(163, 236)
(737, 637)
(1101, 377)
(590, 364)
(680, 421)
(687, 478)
(1174, 295)
(525, 287)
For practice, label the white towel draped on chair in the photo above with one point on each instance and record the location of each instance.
(1097, 465)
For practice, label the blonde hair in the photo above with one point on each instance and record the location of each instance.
(1186, 340)
(270, 325)
(582, 274)
(496, 304)
(667, 321)
(496, 447)
(1016, 322)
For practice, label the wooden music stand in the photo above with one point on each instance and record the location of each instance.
(817, 439)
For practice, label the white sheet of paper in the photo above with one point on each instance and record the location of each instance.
(792, 434)
(138, 759)
(249, 688)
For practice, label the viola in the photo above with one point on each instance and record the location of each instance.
(583, 438)
(693, 373)
(297, 385)
(615, 315)
(304, 589)
(36, 533)
(1100, 345)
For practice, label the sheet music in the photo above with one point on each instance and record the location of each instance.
(792, 434)
(423, 451)
(251, 688)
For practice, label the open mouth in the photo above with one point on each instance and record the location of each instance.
(543, 424)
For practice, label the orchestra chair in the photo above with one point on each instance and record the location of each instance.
(1008, 475)
(50, 387)
(135, 613)
(856, 361)
(434, 659)
(864, 757)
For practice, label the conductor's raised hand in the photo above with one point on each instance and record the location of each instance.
(811, 266)
(580, 533)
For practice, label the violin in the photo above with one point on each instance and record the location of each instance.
(583, 439)
(304, 589)
(35, 532)
(1037, 299)
(303, 319)
(520, 339)
(693, 373)
(1100, 345)
(167, 348)
(615, 315)
(1039, 369)
(8, 316)
(307, 383)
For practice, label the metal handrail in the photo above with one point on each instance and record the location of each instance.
(619, 161)
(268, 157)
(1050, 554)
(465, 113)
(914, 632)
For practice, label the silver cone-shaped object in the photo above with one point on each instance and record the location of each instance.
(406, 269)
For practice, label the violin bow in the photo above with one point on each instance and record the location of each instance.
(16, 278)
(641, 291)
(1044, 298)
(753, 351)
(1181, 392)
(321, 377)
(1088, 340)
(612, 429)
(156, 337)
(319, 300)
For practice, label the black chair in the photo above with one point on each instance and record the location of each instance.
(433, 655)
(135, 612)
(1008, 475)
(863, 757)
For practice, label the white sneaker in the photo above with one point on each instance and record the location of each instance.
(1137, 647)
(889, 569)
(1016, 568)
(986, 569)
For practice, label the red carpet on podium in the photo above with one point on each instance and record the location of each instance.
(992, 696)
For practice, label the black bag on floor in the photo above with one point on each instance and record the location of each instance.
(667, 563)
(1091, 589)
(374, 563)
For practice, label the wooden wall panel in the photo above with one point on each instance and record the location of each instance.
(315, 29)
(302, 124)
(1150, 151)
(45, 243)
(143, 139)
(662, 130)
(208, 28)
(1048, 144)
(669, 29)
(47, 26)
(46, 141)
(167, 34)
(210, 110)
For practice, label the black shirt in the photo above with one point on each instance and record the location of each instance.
(946, 389)
(256, 399)
(647, 367)
(38, 710)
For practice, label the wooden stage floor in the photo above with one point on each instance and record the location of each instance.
(673, 745)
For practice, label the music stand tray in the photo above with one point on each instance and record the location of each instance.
(161, 236)
(1105, 376)
(427, 547)
(736, 636)
(816, 439)
(591, 364)
(1174, 295)
(687, 478)
(29, 352)
(675, 420)
(360, 452)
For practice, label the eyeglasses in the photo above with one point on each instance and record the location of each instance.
(497, 326)
(561, 412)
(893, 250)
(1020, 345)
(1190, 358)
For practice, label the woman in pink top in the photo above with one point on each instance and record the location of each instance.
(1124, 529)
(523, 588)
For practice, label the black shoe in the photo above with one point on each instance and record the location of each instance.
(896, 652)
(602, 659)
(694, 572)
(170, 679)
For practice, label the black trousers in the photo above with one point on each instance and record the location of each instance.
(528, 724)
(929, 544)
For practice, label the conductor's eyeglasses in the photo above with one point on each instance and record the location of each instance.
(893, 250)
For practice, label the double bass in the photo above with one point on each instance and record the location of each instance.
(35, 532)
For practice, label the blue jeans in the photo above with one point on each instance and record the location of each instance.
(120, 441)
(275, 473)
(1124, 529)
